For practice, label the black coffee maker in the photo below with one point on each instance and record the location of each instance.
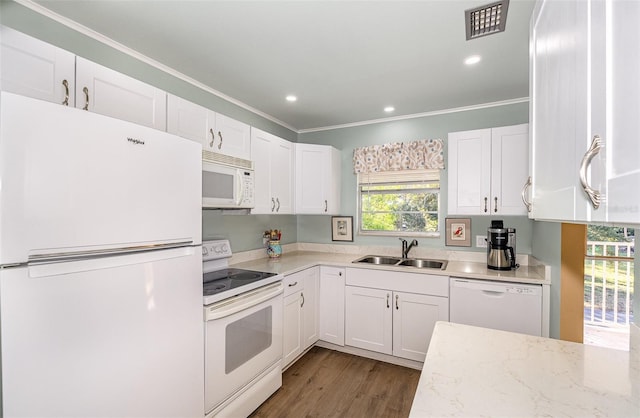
(501, 247)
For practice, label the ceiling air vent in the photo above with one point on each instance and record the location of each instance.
(486, 20)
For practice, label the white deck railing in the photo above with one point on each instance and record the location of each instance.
(608, 281)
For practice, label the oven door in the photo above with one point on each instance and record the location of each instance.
(243, 337)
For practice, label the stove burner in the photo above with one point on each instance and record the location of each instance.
(230, 278)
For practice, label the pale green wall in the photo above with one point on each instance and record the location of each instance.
(317, 228)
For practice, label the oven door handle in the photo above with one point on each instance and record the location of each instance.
(247, 301)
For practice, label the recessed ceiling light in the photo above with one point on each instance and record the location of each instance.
(473, 59)
(389, 109)
(291, 98)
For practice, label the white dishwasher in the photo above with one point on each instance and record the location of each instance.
(505, 306)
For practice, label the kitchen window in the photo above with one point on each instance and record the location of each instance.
(399, 203)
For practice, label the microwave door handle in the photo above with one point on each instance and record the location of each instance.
(239, 188)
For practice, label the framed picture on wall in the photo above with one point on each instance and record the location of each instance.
(342, 228)
(458, 232)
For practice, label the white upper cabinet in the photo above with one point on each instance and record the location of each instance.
(108, 92)
(36, 69)
(273, 165)
(585, 101)
(488, 169)
(318, 169)
(217, 133)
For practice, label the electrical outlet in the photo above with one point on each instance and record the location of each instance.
(481, 241)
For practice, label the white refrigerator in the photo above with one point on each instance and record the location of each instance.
(101, 266)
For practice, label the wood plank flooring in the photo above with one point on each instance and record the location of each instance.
(327, 383)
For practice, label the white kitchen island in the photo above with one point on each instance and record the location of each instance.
(473, 372)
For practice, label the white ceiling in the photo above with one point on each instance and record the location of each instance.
(344, 60)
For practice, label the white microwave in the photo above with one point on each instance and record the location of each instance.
(225, 186)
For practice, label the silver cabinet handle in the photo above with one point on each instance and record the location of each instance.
(86, 98)
(293, 284)
(594, 149)
(273, 204)
(485, 205)
(220, 144)
(340, 274)
(302, 302)
(213, 137)
(387, 300)
(65, 83)
(495, 206)
(326, 205)
(397, 307)
(278, 208)
(525, 189)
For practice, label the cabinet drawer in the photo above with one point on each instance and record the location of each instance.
(293, 283)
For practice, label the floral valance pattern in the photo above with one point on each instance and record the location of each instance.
(416, 155)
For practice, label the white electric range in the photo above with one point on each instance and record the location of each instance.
(243, 333)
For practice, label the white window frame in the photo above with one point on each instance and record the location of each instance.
(399, 177)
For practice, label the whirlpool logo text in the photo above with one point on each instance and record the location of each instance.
(135, 141)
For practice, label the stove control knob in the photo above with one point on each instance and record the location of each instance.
(225, 248)
(205, 252)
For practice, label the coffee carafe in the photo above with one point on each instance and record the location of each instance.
(501, 247)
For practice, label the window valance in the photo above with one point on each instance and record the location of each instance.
(416, 155)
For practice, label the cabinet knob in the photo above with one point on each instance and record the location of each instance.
(220, 144)
(273, 204)
(397, 307)
(85, 90)
(525, 190)
(213, 137)
(495, 206)
(594, 149)
(302, 302)
(65, 83)
(485, 205)
(387, 300)
(278, 201)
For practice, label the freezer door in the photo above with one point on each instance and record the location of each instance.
(110, 337)
(73, 180)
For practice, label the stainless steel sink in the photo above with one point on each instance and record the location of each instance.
(403, 262)
(424, 264)
(377, 259)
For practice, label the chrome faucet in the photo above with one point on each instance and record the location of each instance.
(407, 247)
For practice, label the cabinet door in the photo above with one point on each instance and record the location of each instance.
(282, 175)
(331, 301)
(189, 120)
(311, 181)
(414, 317)
(469, 172)
(368, 319)
(261, 143)
(292, 332)
(32, 68)
(310, 331)
(559, 108)
(233, 137)
(623, 107)
(102, 90)
(509, 169)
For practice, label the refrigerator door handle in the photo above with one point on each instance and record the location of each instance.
(45, 269)
(81, 255)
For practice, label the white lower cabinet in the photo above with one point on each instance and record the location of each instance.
(331, 303)
(394, 313)
(300, 313)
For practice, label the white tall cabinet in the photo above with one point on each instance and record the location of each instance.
(33, 68)
(301, 321)
(318, 175)
(585, 101)
(488, 169)
(216, 132)
(273, 164)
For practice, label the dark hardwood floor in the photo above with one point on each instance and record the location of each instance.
(327, 383)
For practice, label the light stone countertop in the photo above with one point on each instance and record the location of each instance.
(294, 260)
(473, 372)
